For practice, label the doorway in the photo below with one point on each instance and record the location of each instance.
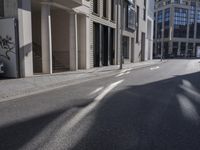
(143, 47)
(96, 44)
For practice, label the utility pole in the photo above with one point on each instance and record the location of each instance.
(121, 48)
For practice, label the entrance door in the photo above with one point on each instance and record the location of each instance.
(126, 47)
(112, 49)
(104, 46)
(96, 37)
(132, 49)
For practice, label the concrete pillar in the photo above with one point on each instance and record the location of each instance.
(109, 9)
(87, 42)
(73, 54)
(46, 39)
(25, 38)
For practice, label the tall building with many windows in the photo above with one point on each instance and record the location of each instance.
(177, 28)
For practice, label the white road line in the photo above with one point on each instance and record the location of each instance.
(107, 90)
(84, 112)
(155, 68)
(125, 70)
(123, 73)
(96, 91)
(119, 75)
(128, 72)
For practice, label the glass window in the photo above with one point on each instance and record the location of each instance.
(198, 24)
(192, 21)
(167, 23)
(177, 1)
(95, 6)
(175, 49)
(159, 48)
(112, 10)
(180, 22)
(183, 49)
(190, 49)
(154, 27)
(131, 18)
(1, 8)
(126, 47)
(159, 24)
(105, 8)
(166, 49)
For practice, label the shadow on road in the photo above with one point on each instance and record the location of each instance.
(35, 131)
(163, 115)
(14, 136)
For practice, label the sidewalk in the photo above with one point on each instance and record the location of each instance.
(16, 88)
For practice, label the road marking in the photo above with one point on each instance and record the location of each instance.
(84, 112)
(124, 72)
(119, 75)
(128, 72)
(96, 91)
(155, 68)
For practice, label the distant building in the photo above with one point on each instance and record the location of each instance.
(177, 28)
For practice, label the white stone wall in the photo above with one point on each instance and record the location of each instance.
(142, 28)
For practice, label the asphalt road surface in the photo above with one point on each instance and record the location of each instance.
(154, 108)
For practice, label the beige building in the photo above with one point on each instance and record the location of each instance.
(67, 35)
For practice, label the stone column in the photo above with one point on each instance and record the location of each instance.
(46, 39)
(25, 36)
(73, 54)
(87, 42)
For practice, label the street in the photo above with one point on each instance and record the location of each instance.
(153, 108)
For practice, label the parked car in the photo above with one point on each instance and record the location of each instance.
(1, 68)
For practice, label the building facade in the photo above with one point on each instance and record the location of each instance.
(149, 31)
(57, 36)
(177, 28)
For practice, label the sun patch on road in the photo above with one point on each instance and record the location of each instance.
(155, 68)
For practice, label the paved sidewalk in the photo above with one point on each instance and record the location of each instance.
(16, 88)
